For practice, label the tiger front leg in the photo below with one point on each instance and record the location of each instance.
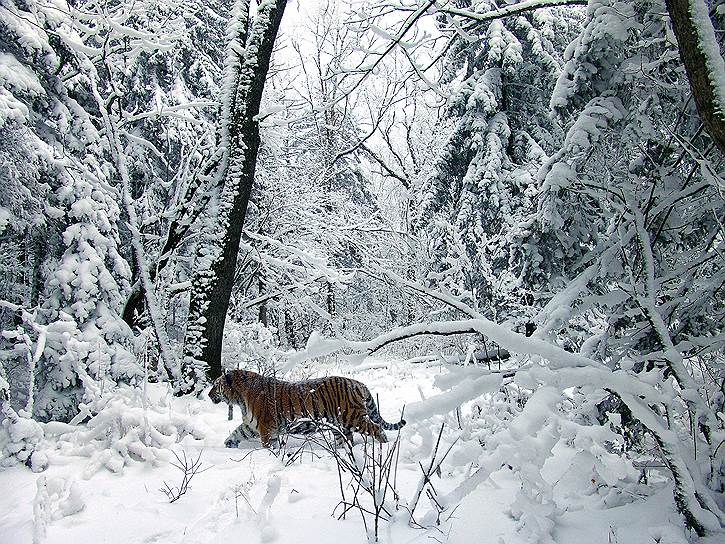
(345, 436)
(243, 432)
(265, 434)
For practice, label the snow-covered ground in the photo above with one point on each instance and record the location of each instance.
(251, 495)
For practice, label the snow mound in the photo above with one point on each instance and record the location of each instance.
(124, 429)
(19, 439)
(56, 498)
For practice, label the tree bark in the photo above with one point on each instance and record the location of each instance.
(693, 34)
(251, 42)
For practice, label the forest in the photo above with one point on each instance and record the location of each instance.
(505, 219)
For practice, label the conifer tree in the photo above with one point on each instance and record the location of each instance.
(481, 192)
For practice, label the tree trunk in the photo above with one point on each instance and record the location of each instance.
(289, 330)
(249, 52)
(263, 315)
(700, 53)
(134, 304)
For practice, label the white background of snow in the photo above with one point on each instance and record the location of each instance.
(129, 508)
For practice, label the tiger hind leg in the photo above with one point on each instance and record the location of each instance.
(371, 429)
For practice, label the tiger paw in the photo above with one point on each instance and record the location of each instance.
(231, 443)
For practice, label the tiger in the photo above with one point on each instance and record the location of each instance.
(272, 407)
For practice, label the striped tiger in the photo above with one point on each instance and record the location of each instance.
(271, 407)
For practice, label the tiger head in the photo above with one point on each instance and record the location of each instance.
(221, 389)
(233, 387)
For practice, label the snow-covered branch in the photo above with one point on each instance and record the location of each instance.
(508, 11)
(506, 338)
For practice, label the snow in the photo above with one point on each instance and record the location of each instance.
(624, 524)
(5, 217)
(318, 346)
(56, 498)
(251, 495)
(19, 77)
(16, 80)
(604, 250)
(450, 400)
(19, 438)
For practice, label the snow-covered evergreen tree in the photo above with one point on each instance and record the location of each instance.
(82, 302)
(481, 191)
(85, 277)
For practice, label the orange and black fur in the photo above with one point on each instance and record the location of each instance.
(271, 407)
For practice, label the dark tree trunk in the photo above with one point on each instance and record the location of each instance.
(134, 304)
(263, 314)
(331, 305)
(702, 82)
(289, 330)
(35, 259)
(213, 280)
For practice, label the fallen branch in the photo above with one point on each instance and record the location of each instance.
(509, 340)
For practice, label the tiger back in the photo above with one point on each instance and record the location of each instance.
(271, 407)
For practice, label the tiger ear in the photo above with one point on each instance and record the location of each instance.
(228, 378)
